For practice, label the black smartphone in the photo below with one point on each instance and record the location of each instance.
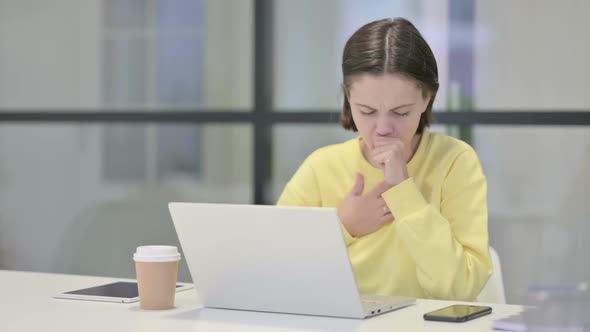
(458, 313)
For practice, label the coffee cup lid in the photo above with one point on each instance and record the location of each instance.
(156, 254)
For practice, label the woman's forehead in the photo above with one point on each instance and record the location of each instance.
(387, 88)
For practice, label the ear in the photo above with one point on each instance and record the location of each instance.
(428, 100)
(425, 107)
(345, 91)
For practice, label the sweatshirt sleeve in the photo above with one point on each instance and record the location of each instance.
(303, 190)
(448, 245)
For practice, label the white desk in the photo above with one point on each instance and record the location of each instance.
(26, 305)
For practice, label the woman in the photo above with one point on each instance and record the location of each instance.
(412, 204)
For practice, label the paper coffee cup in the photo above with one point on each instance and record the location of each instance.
(157, 272)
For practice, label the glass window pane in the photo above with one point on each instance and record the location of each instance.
(124, 153)
(309, 37)
(538, 202)
(521, 62)
(62, 212)
(124, 72)
(126, 14)
(127, 54)
(180, 70)
(179, 150)
(483, 49)
(229, 54)
(181, 14)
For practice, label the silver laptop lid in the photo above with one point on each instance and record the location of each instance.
(268, 258)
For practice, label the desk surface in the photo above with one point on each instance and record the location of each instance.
(26, 304)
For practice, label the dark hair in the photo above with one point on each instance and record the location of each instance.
(392, 46)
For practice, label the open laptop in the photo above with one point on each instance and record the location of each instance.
(273, 259)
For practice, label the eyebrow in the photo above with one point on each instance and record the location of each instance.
(391, 110)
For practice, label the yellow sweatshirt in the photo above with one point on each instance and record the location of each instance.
(437, 247)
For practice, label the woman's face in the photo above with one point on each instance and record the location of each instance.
(385, 106)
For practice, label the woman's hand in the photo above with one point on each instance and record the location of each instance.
(390, 154)
(364, 214)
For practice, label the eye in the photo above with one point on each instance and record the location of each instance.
(367, 112)
(402, 114)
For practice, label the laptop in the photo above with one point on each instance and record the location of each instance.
(273, 259)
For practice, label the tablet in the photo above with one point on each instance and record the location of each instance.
(121, 292)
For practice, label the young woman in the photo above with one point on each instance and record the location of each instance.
(412, 203)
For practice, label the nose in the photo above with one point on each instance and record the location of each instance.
(384, 127)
